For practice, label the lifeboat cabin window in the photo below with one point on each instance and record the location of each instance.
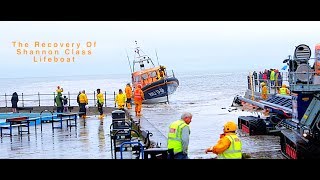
(137, 79)
(144, 79)
(153, 76)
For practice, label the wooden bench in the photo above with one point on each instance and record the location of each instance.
(19, 122)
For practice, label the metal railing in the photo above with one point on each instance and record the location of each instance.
(255, 83)
(27, 100)
(304, 81)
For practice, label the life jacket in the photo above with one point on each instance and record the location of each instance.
(100, 98)
(234, 150)
(121, 99)
(175, 136)
(272, 75)
(137, 94)
(83, 98)
(283, 91)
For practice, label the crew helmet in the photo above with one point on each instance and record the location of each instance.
(284, 86)
(230, 127)
(263, 84)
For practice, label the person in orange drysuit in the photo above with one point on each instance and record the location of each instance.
(128, 92)
(264, 91)
(229, 145)
(138, 97)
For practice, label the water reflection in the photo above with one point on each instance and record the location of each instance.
(84, 137)
(101, 137)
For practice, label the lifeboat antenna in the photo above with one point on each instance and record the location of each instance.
(129, 62)
(157, 57)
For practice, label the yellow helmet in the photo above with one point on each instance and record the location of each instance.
(230, 127)
(263, 84)
(284, 86)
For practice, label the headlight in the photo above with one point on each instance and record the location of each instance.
(306, 132)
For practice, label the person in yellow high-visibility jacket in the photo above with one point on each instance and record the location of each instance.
(178, 136)
(100, 101)
(284, 90)
(121, 100)
(83, 101)
(229, 145)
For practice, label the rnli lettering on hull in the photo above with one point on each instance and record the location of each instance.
(156, 92)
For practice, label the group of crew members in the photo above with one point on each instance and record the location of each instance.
(125, 99)
(122, 100)
(284, 90)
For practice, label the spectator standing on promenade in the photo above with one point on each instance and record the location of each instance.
(59, 103)
(14, 102)
(65, 104)
(78, 101)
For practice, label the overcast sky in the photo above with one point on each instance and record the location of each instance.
(215, 46)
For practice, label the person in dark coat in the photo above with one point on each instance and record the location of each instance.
(255, 75)
(14, 102)
(78, 101)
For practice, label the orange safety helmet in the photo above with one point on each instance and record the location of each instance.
(230, 127)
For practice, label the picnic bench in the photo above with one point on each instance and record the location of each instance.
(68, 117)
(19, 122)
